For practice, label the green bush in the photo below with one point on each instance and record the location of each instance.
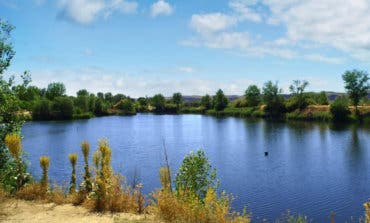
(195, 175)
(339, 109)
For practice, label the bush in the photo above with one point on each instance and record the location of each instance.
(339, 109)
(196, 175)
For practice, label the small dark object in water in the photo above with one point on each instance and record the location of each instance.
(266, 153)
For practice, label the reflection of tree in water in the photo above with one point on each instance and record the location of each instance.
(355, 143)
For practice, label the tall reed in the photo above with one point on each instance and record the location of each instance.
(73, 160)
(44, 164)
(87, 184)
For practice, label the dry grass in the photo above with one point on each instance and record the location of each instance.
(187, 209)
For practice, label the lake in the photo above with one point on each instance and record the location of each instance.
(311, 169)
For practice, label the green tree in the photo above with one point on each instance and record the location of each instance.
(253, 95)
(196, 175)
(127, 106)
(9, 105)
(339, 109)
(159, 102)
(206, 102)
(6, 48)
(273, 99)
(62, 108)
(42, 110)
(82, 100)
(54, 90)
(298, 96)
(118, 97)
(220, 101)
(177, 99)
(356, 85)
(108, 97)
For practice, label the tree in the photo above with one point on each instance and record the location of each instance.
(6, 48)
(100, 95)
(9, 102)
(220, 101)
(206, 102)
(42, 110)
(177, 99)
(299, 97)
(158, 101)
(339, 109)
(356, 85)
(253, 95)
(127, 106)
(108, 97)
(118, 97)
(62, 108)
(272, 98)
(196, 175)
(55, 89)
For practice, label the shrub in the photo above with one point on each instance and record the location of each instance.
(339, 109)
(15, 174)
(195, 175)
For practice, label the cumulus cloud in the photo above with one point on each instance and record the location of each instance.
(96, 79)
(87, 11)
(161, 7)
(341, 25)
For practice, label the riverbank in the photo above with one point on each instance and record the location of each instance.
(16, 210)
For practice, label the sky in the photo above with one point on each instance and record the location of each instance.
(140, 48)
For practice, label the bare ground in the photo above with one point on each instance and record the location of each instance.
(12, 210)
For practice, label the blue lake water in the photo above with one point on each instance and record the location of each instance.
(312, 169)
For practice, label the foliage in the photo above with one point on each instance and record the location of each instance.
(177, 99)
(299, 99)
(220, 101)
(206, 102)
(158, 101)
(126, 106)
(54, 90)
(356, 85)
(253, 96)
(339, 109)
(42, 110)
(62, 108)
(272, 98)
(321, 98)
(195, 175)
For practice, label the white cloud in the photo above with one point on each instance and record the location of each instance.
(212, 22)
(321, 58)
(337, 24)
(188, 70)
(161, 7)
(87, 11)
(101, 80)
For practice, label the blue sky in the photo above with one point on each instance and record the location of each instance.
(195, 46)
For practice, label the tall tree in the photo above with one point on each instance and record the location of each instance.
(299, 97)
(272, 98)
(206, 102)
(55, 89)
(177, 99)
(253, 95)
(357, 85)
(220, 101)
(158, 101)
